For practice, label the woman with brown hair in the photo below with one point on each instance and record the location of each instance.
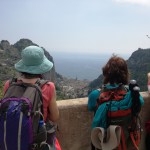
(115, 104)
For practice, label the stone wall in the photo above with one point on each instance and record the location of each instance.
(74, 125)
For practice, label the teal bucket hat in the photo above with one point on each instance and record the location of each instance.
(33, 61)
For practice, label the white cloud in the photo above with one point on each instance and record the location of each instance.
(141, 2)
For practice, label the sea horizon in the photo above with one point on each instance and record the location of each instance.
(81, 66)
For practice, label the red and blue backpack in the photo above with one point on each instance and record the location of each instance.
(128, 119)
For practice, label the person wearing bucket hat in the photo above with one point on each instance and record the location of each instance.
(33, 61)
(32, 65)
(116, 107)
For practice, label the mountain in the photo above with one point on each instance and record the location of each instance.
(139, 66)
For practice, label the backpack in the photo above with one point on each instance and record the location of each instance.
(128, 118)
(22, 126)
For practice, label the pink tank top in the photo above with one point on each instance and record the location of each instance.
(47, 94)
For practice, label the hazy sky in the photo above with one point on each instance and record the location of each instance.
(105, 26)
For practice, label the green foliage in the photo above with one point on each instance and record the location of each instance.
(60, 95)
(97, 83)
(1, 89)
(139, 65)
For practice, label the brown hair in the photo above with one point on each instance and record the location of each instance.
(30, 76)
(116, 71)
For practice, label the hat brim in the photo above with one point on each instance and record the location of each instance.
(97, 136)
(44, 67)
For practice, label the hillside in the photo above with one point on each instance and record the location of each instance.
(139, 66)
(138, 63)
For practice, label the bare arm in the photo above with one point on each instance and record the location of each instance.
(53, 109)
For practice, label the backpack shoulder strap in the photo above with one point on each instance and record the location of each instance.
(116, 93)
(41, 82)
(35, 93)
(13, 80)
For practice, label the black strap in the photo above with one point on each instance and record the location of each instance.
(92, 147)
(41, 82)
(13, 80)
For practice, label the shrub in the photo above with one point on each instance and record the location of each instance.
(1, 89)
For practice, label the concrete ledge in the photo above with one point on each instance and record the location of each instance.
(75, 123)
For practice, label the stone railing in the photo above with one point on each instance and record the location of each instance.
(74, 125)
